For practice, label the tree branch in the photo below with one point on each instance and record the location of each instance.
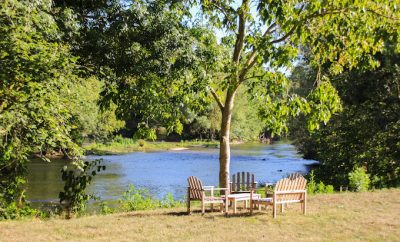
(382, 15)
(217, 99)
(252, 58)
(254, 53)
(287, 35)
(224, 12)
(241, 32)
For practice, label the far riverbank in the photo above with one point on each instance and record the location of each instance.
(126, 145)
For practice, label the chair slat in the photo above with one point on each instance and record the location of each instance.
(248, 181)
(233, 182)
(243, 182)
(238, 182)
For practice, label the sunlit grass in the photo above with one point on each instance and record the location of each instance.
(369, 216)
(126, 145)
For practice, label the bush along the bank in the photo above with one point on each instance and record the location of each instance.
(140, 199)
(359, 180)
(74, 198)
(314, 187)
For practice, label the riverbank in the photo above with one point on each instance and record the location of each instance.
(124, 145)
(369, 216)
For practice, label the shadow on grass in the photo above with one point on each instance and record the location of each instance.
(208, 214)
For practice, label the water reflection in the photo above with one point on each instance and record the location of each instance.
(167, 171)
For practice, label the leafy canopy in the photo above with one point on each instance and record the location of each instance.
(266, 37)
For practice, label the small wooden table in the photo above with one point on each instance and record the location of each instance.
(234, 198)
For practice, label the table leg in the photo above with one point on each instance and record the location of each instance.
(234, 206)
(226, 206)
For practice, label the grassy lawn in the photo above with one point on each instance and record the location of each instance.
(370, 216)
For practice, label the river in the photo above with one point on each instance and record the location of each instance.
(166, 171)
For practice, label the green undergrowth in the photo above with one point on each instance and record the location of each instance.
(135, 199)
(120, 145)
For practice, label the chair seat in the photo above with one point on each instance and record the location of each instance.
(267, 199)
(216, 199)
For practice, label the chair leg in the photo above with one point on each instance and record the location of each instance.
(188, 200)
(203, 208)
(226, 206)
(305, 204)
(274, 210)
(212, 207)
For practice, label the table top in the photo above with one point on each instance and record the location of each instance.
(241, 196)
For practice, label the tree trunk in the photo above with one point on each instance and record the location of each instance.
(225, 151)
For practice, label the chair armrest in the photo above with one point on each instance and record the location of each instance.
(212, 189)
(220, 188)
(208, 187)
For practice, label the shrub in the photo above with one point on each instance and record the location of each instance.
(320, 187)
(142, 142)
(105, 209)
(137, 199)
(329, 189)
(314, 187)
(169, 202)
(359, 180)
(76, 180)
(140, 199)
(311, 185)
(12, 211)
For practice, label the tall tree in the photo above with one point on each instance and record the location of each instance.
(266, 37)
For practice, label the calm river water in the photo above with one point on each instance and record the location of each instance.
(166, 172)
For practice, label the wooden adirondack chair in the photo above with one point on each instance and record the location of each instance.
(242, 182)
(197, 192)
(287, 190)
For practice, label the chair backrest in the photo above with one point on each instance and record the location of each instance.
(294, 175)
(242, 181)
(196, 188)
(294, 182)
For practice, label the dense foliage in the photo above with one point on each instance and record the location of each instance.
(36, 76)
(264, 38)
(74, 197)
(366, 133)
(45, 106)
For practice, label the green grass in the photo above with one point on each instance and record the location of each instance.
(125, 145)
(367, 216)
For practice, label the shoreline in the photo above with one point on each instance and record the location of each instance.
(117, 148)
(129, 146)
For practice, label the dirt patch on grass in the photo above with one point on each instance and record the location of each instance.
(371, 216)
